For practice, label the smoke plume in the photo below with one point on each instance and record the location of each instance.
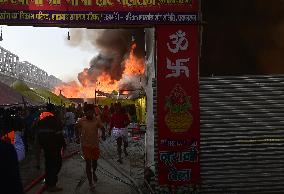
(114, 46)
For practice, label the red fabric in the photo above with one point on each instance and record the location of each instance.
(97, 111)
(90, 153)
(9, 137)
(119, 120)
(45, 114)
(106, 115)
(66, 6)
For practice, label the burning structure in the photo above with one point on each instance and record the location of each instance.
(119, 65)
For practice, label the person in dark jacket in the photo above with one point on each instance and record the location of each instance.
(51, 140)
(10, 181)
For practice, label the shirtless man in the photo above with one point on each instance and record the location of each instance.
(87, 128)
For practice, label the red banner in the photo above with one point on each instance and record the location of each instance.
(101, 5)
(178, 105)
(94, 16)
(98, 12)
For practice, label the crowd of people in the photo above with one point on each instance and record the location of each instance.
(49, 129)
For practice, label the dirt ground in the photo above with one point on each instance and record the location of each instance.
(113, 177)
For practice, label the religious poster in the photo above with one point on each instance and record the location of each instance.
(178, 122)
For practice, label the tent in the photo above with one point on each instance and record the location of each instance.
(22, 88)
(8, 96)
(57, 100)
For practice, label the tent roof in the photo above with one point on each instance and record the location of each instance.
(53, 97)
(29, 94)
(8, 96)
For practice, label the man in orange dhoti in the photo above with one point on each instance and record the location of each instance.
(87, 128)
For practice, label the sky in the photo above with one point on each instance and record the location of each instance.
(47, 48)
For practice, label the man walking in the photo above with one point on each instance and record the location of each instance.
(51, 140)
(119, 122)
(87, 128)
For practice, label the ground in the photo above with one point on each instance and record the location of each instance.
(113, 178)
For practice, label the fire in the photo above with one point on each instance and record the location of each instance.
(84, 78)
(106, 84)
(74, 90)
(133, 67)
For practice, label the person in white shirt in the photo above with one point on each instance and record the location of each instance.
(69, 124)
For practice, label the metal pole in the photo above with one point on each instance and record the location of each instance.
(95, 96)
(98, 92)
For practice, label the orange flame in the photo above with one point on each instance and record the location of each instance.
(74, 90)
(85, 78)
(133, 66)
(105, 83)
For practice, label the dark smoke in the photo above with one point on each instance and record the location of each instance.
(114, 46)
(242, 37)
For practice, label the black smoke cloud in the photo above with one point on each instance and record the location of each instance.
(114, 46)
(242, 37)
